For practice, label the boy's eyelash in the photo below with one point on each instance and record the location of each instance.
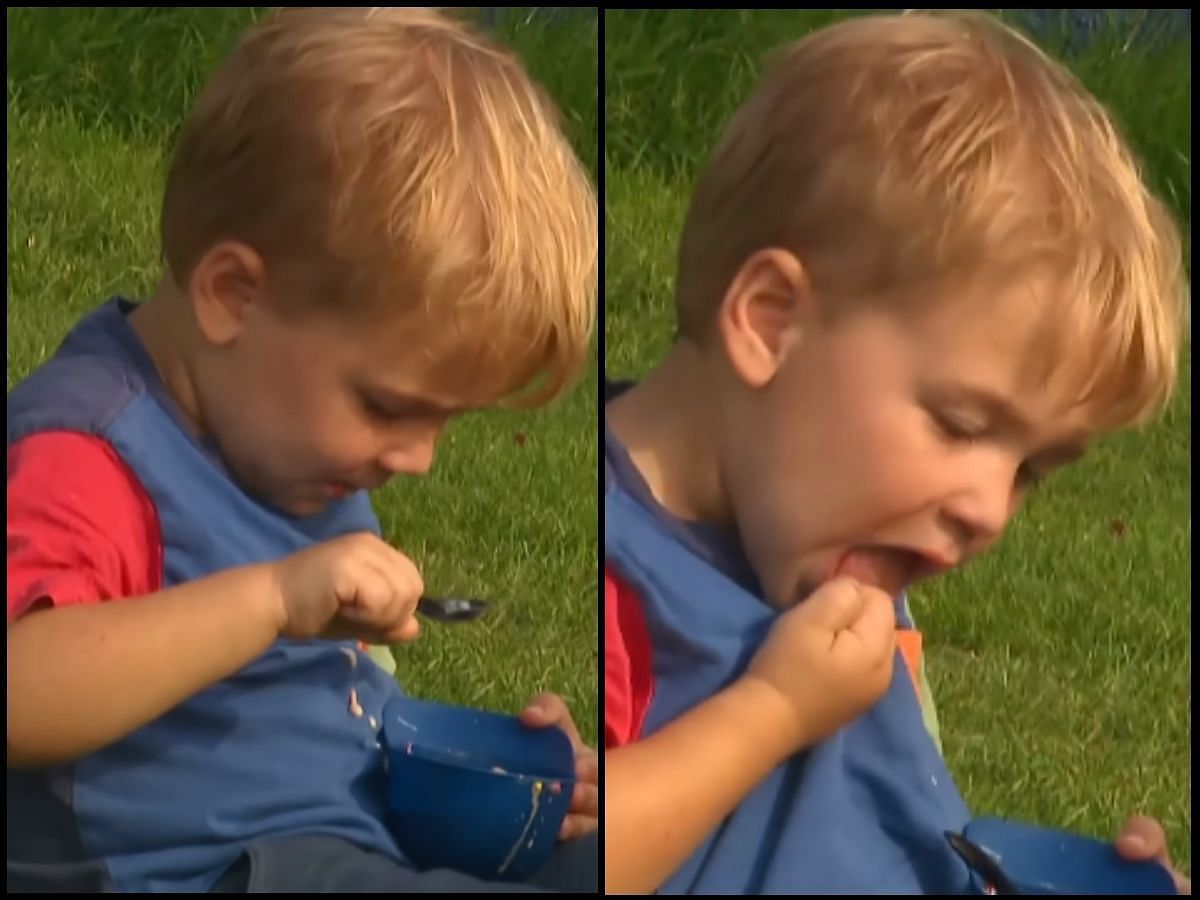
(1028, 478)
(954, 429)
(377, 411)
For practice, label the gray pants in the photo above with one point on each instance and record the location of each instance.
(330, 865)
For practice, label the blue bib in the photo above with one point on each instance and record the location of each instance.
(277, 749)
(863, 812)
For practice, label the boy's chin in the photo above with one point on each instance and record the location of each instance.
(302, 510)
(296, 504)
(783, 597)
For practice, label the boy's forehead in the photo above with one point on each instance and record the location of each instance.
(439, 368)
(406, 382)
(1005, 345)
(1013, 317)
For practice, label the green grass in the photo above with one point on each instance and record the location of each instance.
(95, 96)
(1062, 662)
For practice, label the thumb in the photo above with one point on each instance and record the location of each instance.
(404, 633)
(550, 709)
(535, 715)
(1143, 838)
(545, 709)
(876, 625)
(835, 605)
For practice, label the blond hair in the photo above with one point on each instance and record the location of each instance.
(895, 152)
(400, 158)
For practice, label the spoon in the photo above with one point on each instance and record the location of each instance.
(982, 864)
(451, 609)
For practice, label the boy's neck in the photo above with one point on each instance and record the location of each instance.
(161, 324)
(666, 423)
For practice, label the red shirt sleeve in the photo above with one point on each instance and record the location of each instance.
(81, 528)
(628, 675)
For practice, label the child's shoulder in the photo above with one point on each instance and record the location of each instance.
(70, 393)
(82, 387)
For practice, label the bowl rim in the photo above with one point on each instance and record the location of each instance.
(460, 761)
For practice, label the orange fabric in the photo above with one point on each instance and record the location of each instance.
(909, 642)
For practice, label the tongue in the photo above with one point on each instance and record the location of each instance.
(878, 567)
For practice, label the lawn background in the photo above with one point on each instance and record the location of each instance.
(1062, 663)
(509, 513)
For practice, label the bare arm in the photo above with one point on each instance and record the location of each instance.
(82, 677)
(664, 794)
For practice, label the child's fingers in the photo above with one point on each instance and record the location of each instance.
(876, 622)
(585, 801)
(576, 827)
(587, 766)
(1143, 838)
(403, 633)
(834, 606)
(548, 709)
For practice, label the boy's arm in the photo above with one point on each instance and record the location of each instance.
(81, 677)
(83, 673)
(663, 795)
(825, 662)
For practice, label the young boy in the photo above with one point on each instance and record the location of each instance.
(878, 274)
(372, 224)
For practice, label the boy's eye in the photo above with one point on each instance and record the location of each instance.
(396, 411)
(377, 410)
(956, 427)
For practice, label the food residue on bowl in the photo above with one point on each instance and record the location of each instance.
(537, 802)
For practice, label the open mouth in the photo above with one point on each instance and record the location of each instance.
(890, 569)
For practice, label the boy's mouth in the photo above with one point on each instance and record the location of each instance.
(339, 490)
(890, 569)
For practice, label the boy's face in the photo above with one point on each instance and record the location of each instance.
(893, 445)
(307, 409)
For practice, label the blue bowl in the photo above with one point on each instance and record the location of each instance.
(475, 791)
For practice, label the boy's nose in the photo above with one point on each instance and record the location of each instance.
(413, 457)
(983, 510)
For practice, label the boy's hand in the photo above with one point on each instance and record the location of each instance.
(830, 658)
(355, 587)
(583, 816)
(1144, 839)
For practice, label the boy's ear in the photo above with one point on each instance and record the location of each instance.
(761, 318)
(226, 286)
